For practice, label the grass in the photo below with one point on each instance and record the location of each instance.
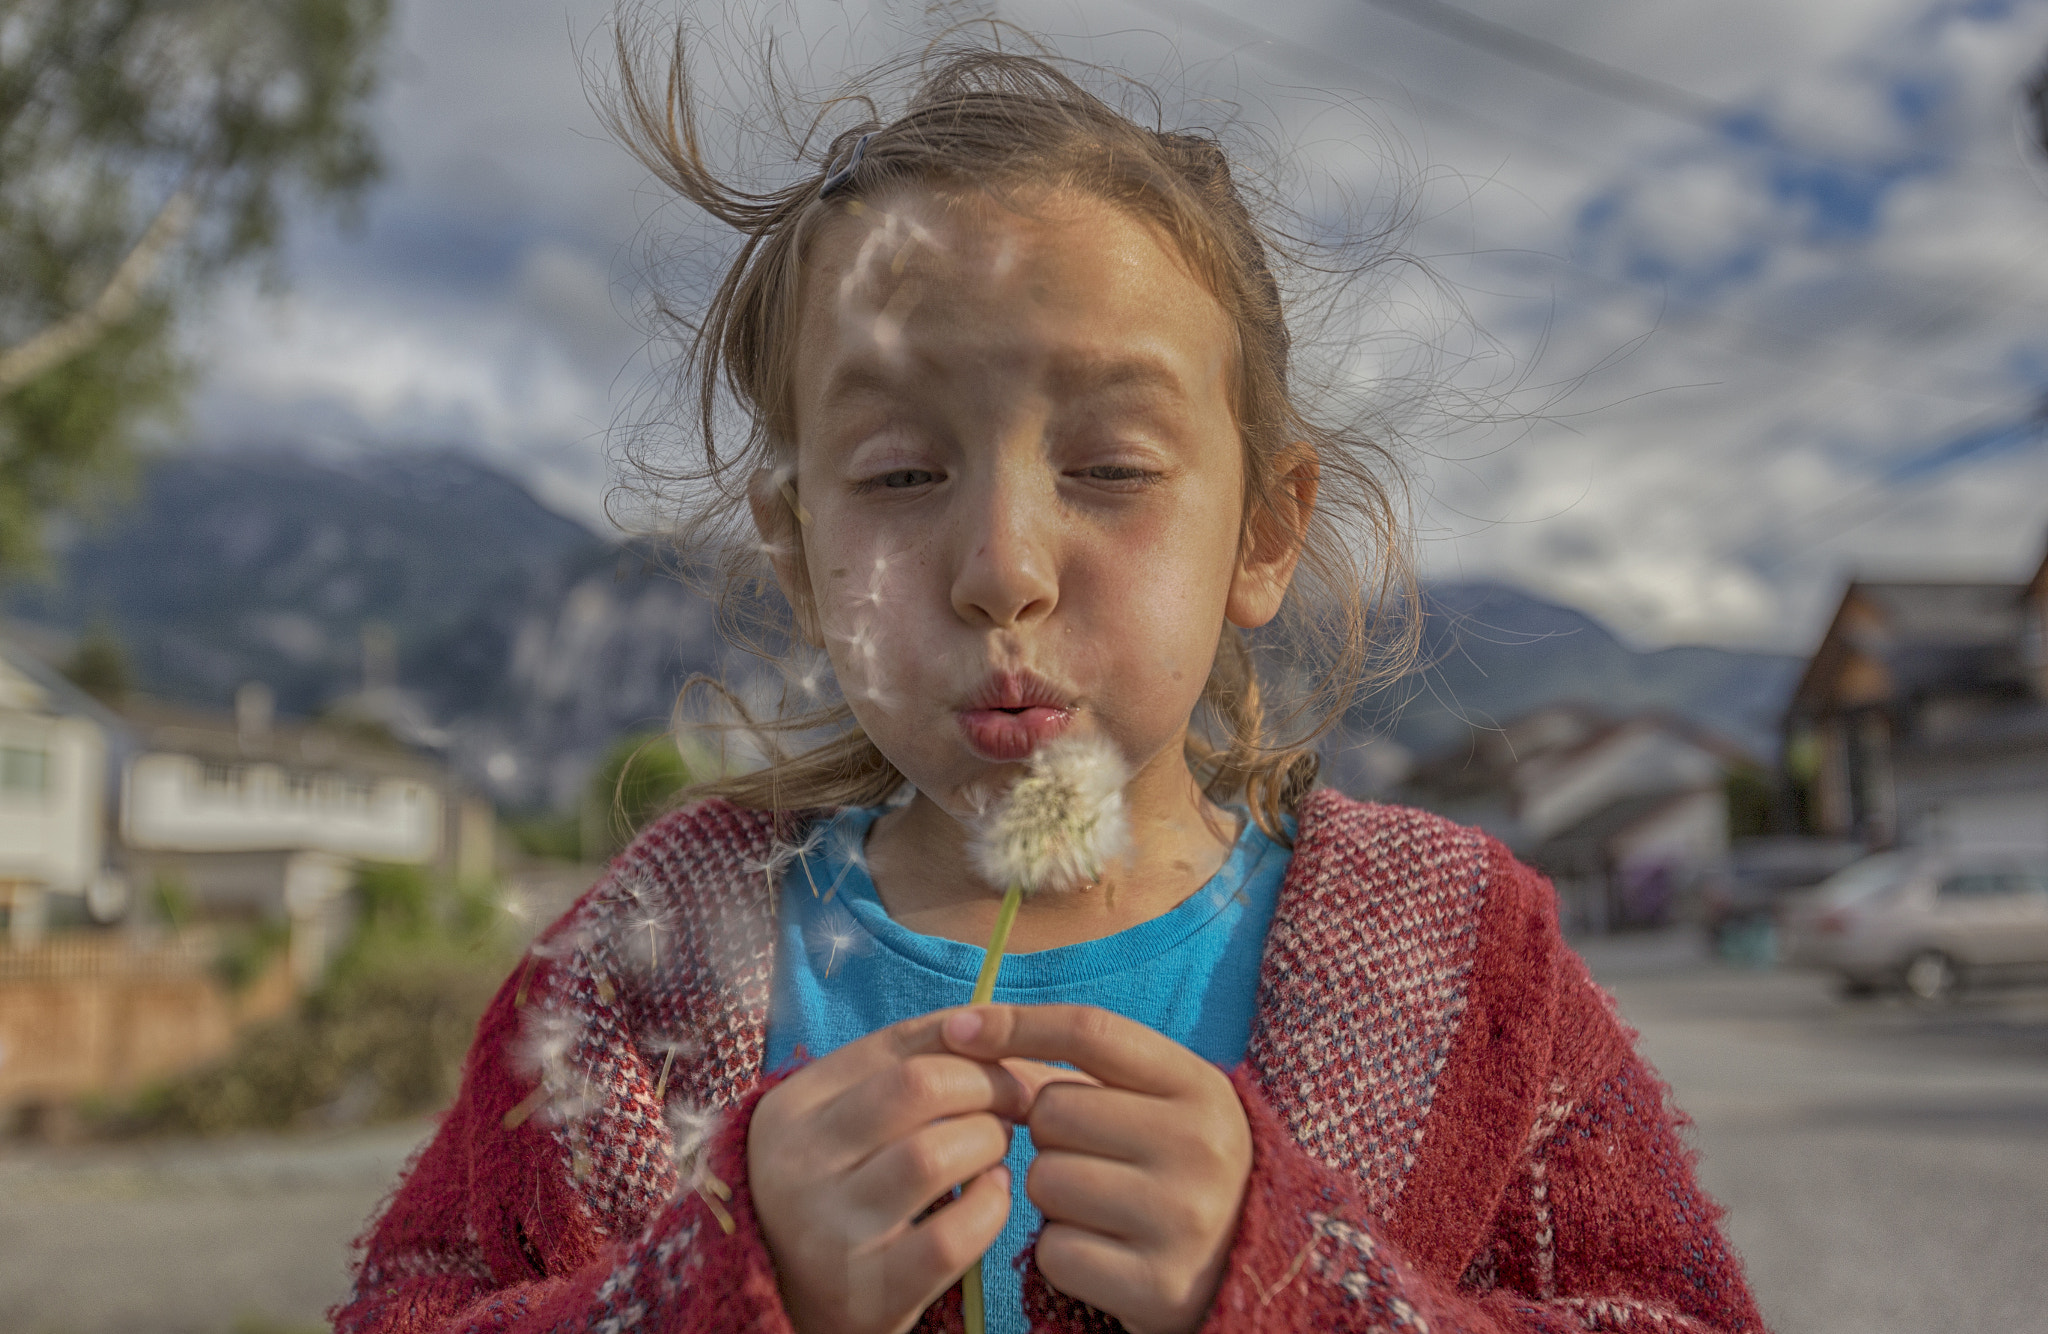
(382, 1037)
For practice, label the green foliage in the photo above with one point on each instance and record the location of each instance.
(556, 837)
(110, 110)
(638, 781)
(99, 666)
(1750, 800)
(171, 900)
(383, 1036)
(1802, 774)
(245, 955)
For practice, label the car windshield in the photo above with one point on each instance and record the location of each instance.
(1866, 879)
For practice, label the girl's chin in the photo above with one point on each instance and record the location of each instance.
(1005, 736)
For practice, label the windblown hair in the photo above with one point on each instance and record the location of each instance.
(979, 118)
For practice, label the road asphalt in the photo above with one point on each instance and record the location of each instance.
(1884, 1166)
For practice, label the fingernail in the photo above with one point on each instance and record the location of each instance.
(963, 1026)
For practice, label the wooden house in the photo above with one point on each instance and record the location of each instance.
(1922, 717)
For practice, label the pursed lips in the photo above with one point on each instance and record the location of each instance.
(1013, 714)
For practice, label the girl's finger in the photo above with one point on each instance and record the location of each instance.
(832, 1074)
(896, 1099)
(1106, 1122)
(939, 1249)
(1108, 1198)
(1118, 1051)
(1089, 1267)
(897, 1183)
(1035, 1075)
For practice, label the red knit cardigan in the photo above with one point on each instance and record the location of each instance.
(1451, 1129)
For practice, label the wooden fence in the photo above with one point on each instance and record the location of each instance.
(92, 1015)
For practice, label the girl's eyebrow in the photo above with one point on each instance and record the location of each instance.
(857, 379)
(1089, 373)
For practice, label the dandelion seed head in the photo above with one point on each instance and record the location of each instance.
(832, 936)
(1061, 822)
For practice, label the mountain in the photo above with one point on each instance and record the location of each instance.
(537, 685)
(1491, 652)
(271, 566)
(522, 644)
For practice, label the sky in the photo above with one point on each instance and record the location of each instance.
(1697, 311)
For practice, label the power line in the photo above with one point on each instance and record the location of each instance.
(1626, 85)
(1623, 85)
(1312, 62)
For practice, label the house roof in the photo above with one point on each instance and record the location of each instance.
(1584, 844)
(206, 735)
(1557, 734)
(1898, 639)
(1945, 614)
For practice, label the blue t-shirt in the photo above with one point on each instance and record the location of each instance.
(843, 969)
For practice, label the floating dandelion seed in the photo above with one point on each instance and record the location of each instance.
(686, 1047)
(544, 1052)
(1055, 828)
(644, 920)
(833, 935)
(690, 1129)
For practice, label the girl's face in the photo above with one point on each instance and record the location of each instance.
(1021, 485)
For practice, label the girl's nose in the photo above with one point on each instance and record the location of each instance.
(1006, 576)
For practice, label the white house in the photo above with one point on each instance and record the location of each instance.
(248, 817)
(53, 780)
(1628, 817)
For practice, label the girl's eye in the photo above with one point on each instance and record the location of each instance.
(1117, 472)
(901, 479)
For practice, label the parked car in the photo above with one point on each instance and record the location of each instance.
(1924, 921)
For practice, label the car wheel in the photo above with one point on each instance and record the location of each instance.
(1931, 975)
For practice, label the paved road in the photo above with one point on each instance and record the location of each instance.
(1885, 1169)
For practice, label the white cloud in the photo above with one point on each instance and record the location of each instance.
(1747, 353)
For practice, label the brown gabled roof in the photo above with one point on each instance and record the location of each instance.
(1903, 637)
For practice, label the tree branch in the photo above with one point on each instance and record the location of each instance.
(68, 337)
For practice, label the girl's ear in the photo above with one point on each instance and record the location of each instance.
(779, 518)
(1274, 533)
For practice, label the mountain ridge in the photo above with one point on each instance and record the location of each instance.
(530, 642)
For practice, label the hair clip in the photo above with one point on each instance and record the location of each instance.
(844, 174)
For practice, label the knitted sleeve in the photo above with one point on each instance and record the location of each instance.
(1601, 1227)
(555, 1195)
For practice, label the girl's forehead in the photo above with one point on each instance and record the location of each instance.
(1015, 243)
(921, 275)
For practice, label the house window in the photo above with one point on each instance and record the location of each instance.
(24, 771)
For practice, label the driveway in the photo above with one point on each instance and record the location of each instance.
(1885, 1167)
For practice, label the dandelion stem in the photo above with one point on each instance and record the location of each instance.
(984, 991)
(985, 984)
(970, 1301)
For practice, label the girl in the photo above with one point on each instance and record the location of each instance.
(1024, 462)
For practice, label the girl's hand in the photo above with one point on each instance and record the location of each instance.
(845, 1154)
(1140, 1176)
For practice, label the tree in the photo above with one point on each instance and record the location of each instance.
(145, 147)
(638, 780)
(99, 666)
